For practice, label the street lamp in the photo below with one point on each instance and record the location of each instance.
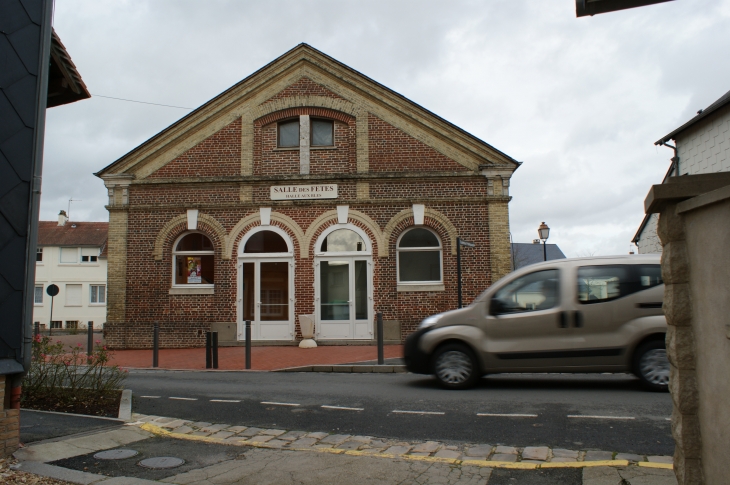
(459, 243)
(544, 231)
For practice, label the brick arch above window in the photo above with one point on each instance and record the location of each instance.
(432, 218)
(281, 220)
(358, 218)
(179, 224)
(342, 106)
(313, 112)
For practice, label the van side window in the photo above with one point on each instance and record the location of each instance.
(529, 293)
(597, 284)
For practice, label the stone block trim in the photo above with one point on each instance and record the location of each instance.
(304, 87)
(9, 421)
(393, 150)
(217, 155)
(178, 225)
(404, 219)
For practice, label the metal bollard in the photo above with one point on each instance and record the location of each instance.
(156, 345)
(89, 341)
(248, 344)
(208, 350)
(215, 350)
(381, 360)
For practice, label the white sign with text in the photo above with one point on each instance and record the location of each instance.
(318, 191)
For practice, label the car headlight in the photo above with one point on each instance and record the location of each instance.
(429, 321)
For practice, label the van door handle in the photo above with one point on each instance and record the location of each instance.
(563, 319)
(577, 319)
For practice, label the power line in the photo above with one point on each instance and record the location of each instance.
(141, 102)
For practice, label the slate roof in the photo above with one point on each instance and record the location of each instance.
(723, 101)
(524, 254)
(73, 234)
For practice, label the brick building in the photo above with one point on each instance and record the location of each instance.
(307, 188)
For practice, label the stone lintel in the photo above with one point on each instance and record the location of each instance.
(679, 189)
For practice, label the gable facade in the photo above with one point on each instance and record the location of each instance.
(304, 182)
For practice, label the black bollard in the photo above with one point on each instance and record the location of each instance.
(248, 344)
(89, 341)
(208, 350)
(156, 345)
(381, 360)
(215, 350)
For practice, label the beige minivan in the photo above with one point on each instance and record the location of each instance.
(600, 314)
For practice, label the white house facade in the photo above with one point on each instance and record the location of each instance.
(702, 145)
(71, 255)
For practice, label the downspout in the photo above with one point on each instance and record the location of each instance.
(674, 159)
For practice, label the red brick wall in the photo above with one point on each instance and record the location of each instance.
(305, 87)
(9, 421)
(392, 150)
(219, 154)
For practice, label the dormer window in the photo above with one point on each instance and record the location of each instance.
(288, 134)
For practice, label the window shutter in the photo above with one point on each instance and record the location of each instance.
(73, 295)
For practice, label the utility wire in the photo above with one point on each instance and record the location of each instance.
(141, 102)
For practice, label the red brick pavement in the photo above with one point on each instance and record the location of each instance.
(262, 358)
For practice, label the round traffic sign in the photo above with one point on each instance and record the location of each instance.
(52, 290)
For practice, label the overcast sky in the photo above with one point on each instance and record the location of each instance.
(580, 101)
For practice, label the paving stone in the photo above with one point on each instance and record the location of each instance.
(222, 435)
(303, 443)
(660, 459)
(322, 446)
(201, 424)
(215, 427)
(397, 450)
(274, 432)
(598, 456)
(511, 450)
(292, 435)
(200, 433)
(540, 453)
(427, 447)
(182, 430)
(335, 439)
(349, 445)
(503, 457)
(563, 453)
(237, 429)
(235, 440)
(563, 459)
(317, 436)
(378, 444)
(370, 451)
(419, 454)
(629, 456)
(532, 461)
(448, 454)
(251, 432)
(164, 420)
(480, 451)
(451, 447)
(276, 443)
(175, 424)
(148, 419)
(260, 439)
(362, 439)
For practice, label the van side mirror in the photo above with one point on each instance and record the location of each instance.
(496, 307)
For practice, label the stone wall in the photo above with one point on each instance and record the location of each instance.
(9, 420)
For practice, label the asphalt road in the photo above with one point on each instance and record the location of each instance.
(605, 412)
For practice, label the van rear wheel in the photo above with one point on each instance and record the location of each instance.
(652, 366)
(455, 367)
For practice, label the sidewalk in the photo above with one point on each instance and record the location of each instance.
(234, 358)
(206, 454)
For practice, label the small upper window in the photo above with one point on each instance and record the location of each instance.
(322, 133)
(288, 135)
(194, 260)
(39, 255)
(419, 257)
(266, 242)
(343, 240)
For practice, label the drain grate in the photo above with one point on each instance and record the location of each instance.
(115, 454)
(161, 462)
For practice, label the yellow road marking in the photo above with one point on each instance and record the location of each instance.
(649, 464)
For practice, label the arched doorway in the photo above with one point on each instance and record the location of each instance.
(266, 284)
(343, 284)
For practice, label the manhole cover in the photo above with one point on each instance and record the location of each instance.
(115, 454)
(161, 462)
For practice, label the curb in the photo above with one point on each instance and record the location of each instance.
(354, 369)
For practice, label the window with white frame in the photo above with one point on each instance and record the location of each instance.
(89, 255)
(97, 294)
(419, 255)
(73, 295)
(38, 295)
(69, 255)
(39, 255)
(193, 260)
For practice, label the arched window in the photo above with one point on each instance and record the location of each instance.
(265, 242)
(193, 260)
(341, 241)
(419, 257)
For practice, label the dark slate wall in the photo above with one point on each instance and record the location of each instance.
(25, 38)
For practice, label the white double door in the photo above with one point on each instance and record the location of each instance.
(266, 298)
(343, 298)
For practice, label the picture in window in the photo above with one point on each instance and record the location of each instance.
(195, 269)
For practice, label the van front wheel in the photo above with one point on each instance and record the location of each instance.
(652, 366)
(455, 367)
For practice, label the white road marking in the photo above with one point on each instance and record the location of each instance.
(150, 397)
(668, 419)
(343, 408)
(508, 415)
(280, 403)
(224, 400)
(398, 411)
(599, 417)
(183, 398)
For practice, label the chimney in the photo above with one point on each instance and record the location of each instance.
(62, 218)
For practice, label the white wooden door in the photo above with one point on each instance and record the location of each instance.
(343, 297)
(266, 297)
